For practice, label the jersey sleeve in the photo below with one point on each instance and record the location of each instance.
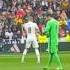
(47, 28)
(36, 26)
(24, 26)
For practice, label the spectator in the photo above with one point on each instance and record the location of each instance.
(9, 34)
(1, 5)
(50, 10)
(68, 25)
(63, 15)
(20, 13)
(1, 29)
(64, 4)
(67, 38)
(22, 9)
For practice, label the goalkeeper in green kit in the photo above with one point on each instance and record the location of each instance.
(52, 30)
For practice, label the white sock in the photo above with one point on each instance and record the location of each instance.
(24, 53)
(38, 55)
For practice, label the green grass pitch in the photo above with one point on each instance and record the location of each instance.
(13, 61)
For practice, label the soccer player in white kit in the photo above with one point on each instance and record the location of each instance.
(31, 29)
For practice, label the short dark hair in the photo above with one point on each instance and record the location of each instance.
(49, 14)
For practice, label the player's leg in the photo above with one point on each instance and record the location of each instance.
(28, 43)
(50, 59)
(37, 54)
(47, 67)
(24, 53)
(57, 61)
(36, 46)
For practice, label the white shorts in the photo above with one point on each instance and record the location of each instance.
(31, 41)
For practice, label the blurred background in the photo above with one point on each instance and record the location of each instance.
(14, 13)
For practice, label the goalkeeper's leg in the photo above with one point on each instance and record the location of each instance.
(57, 61)
(47, 67)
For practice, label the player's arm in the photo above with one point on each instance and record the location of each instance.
(23, 31)
(22, 27)
(37, 29)
(47, 28)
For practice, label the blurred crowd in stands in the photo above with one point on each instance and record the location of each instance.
(14, 13)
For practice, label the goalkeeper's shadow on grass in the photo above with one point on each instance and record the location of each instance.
(46, 68)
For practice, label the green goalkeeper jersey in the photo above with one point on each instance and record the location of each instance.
(52, 30)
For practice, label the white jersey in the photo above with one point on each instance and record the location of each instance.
(30, 28)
